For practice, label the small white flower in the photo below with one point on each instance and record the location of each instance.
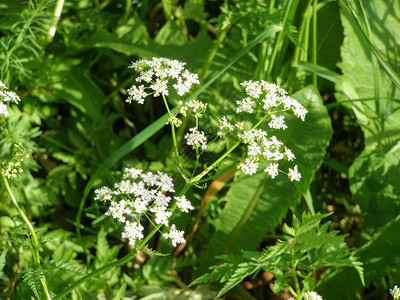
(173, 120)
(132, 231)
(136, 94)
(252, 135)
(2, 85)
(162, 215)
(270, 101)
(132, 173)
(104, 194)
(253, 88)
(289, 154)
(196, 138)
(161, 200)
(248, 166)
(176, 236)
(159, 71)
(198, 107)
(118, 210)
(294, 174)
(3, 109)
(272, 170)
(10, 96)
(277, 122)
(183, 204)
(253, 149)
(395, 292)
(150, 179)
(311, 296)
(165, 182)
(160, 87)
(224, 126)
(245, 105)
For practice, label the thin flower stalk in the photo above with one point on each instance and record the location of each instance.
(34, 243)
(123, 260)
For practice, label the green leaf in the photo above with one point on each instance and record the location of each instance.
(370, 31)
(79, 90)
(120, 293)
(2, 261)
(320, 71)
(380, 254)
(312, 247)
(32, 278)
(256, 204)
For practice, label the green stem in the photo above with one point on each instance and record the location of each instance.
(121, 261)
(221, 36)
(223, 156)
(31, 234)
(279, 40)
(296, 280)
(314, 52)
(56, 18)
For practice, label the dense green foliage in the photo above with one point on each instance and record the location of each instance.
(336, 231)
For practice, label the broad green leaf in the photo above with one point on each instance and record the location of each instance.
(79, 90)
(133, 39)
(256, 204)
(374, 175)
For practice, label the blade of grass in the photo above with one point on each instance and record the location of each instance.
(389, 70)
(320, 71)
(150, 130)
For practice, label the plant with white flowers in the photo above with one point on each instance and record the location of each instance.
(144, 195)
(309, 296)
(395, 292)
(150, 196)
(7, 96)
(267, 100)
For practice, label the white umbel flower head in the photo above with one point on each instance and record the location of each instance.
(7, 97)
(309, 296)
(183, 204)
(248, 166)
(176, 236)
(273, 104)
(198, 107)
(160, 75)
(196, 138)
(142, 195)
(395, 292)
(294, 174)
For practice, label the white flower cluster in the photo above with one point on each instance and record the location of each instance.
(270, 99)
(157, 74)
(309, 296)
(269, 96)
(12, 168)
(7, 96)
(143, 193)
(269, 150)
(196, 138)
(395, 292)
(196, 107)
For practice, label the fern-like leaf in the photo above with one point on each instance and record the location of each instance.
(150, 251)
(32, 278)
